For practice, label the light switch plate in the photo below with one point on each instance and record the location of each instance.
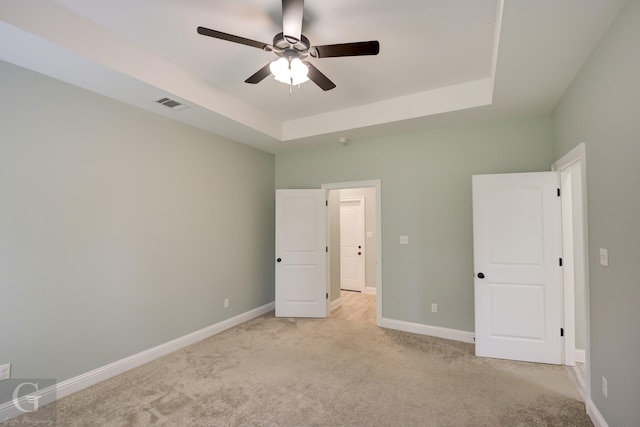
(404, 240)
(604, 257)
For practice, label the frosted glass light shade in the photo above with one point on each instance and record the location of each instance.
(291, 73)
(280, 69)
(299, 71)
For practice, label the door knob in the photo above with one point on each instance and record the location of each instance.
(279, 259)
(480, 275)
(359, 247)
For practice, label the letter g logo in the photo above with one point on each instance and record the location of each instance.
(31, 400)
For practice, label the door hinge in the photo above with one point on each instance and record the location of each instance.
(326, 248)
(558, 192)
(560, 262)
(326, 203)
(561, 332)
(327, 295)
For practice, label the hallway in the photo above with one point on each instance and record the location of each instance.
(357, 307)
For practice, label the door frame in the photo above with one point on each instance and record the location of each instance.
(575, 156)
(361, 234)
(568, 272)
(365, 184)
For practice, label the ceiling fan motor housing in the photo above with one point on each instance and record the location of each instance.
(280, 42)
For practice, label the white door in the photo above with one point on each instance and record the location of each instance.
(352, 244)
(301, 258)
(518, 278)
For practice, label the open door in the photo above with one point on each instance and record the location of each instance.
(518, 274)
(301, 253)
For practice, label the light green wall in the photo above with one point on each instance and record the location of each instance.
(602, 109)
(426, 194)
(119, 229)
(334, 244)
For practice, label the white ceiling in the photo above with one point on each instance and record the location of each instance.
(440, 61)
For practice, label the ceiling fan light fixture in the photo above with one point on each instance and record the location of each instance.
(291, 46)
(292, 72)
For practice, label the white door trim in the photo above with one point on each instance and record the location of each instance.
(568, 273)
(578, 155)
(376, 183)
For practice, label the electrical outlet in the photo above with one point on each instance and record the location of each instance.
(434, 308)
(604, 387)
(226, 303)
(604, 257)
(5, 372)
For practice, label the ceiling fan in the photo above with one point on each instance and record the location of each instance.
(293, 48)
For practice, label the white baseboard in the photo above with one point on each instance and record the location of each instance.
(64, 388)
(335, 303)
(580, 356)
(596, 417)
(434, 331)
(370, 290)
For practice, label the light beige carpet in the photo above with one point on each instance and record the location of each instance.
(297, 372)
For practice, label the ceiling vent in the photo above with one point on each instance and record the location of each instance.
(171, 103)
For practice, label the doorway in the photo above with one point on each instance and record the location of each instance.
(570, 175)
(371, 247)
(572, 169)
(352, 242)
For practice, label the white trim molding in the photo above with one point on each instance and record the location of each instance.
(433, 331)
(335, 303)
(596, 417)
(370, 290)
(580, 355)
(578, 155)
(10, 410)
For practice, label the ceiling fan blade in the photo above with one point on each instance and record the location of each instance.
(347, 49)
(292, 14)
(260, 75)
(230, 37)
(318, 78)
